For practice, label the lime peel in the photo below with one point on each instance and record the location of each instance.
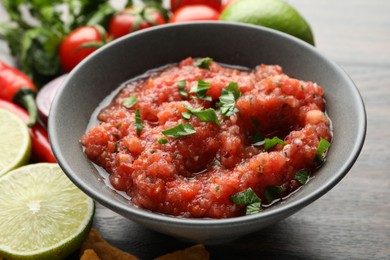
(15, 142)
(275, 14)
(43, 215)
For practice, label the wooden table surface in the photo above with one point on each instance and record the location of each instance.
(352, 221)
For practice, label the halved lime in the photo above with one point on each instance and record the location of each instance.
(43, 215)
(15, 143)
(275, 14)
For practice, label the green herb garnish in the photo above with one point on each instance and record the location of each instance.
(179, 130)
(227, 100)
(117, 147)
(186, 115)
(35, 44)
(270, 143)
(130, 101)
(253, 208)
(204, 115)
(249, 199)
(272, 193)
(181, 86)
(162, 140)
(200, 90)
(321, 150)
(204, 63)
(302, 176)
(138, 121)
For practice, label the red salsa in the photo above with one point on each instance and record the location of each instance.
(201, 140)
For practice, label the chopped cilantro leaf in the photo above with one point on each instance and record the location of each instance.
(181, 85)
(200, 90)
(321, 150)
(179, 130)
(269, 143)
(233, 87)
(302, 176)
(247, 198)
(130, 101)
(227, 100)
(227, 104)
(204, 63)
(138, 121)
(272, 193)
(204, 115)
(253, 208)
(162, 140)
(186, 115)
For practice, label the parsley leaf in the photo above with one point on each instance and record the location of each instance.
(227, 100)
(200, 90)
(247, 198)
(302, 176)
(269, 143)
(181, 85)
(130, 101)
(204, 63)
(204, 115)
(138, 121)
(179, 130)
(272, 193)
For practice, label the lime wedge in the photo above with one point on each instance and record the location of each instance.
(15, 143)
(43, 215)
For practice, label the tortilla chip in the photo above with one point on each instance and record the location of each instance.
(89, 254)
(196, 252)
(103, 249)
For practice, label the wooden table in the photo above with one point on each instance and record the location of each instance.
(352, 221)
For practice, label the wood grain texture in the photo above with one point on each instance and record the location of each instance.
(352, 221)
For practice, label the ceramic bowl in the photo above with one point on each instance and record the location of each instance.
(230, 43)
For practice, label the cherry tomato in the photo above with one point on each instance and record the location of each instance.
(176, 4)
(79, 44)
(194, 13)
(133, 19)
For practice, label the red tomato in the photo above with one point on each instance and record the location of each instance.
(176, 4)
(74, 49)
(133, 19)
(194, 13)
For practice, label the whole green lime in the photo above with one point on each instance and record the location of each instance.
(275, 14)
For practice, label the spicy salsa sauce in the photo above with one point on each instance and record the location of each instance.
(197, 139)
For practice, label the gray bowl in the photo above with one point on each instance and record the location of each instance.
(230, 43)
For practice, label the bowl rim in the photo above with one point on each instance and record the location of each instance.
(208, 222)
